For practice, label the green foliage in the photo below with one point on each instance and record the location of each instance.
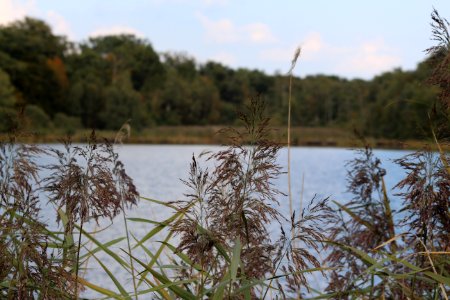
(108, 80)
(7, 97)
(86, 100)
(123, 103)
(36, 119)
(7, 102)
(32, 57)
(66, 123)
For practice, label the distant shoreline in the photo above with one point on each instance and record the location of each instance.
(209, 135)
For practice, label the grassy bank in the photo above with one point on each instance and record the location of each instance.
(209, 135)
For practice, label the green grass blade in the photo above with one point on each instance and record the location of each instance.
(256, 282)
(441, 153)
(157, 229)
(369, 261)
(104, 248)
(122, 291)
(343, 295)
(178, 215)
(108, 244)
(183, 257)
(156, 256)
(354, 216)
(98, 289)
(142, 220)
(236, 259)
(220, 288)
(171, 285)
(164, 286)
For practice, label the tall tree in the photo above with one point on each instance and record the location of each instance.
(7, 102)
(29, 50)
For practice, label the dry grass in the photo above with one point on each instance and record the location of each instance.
(208, 135)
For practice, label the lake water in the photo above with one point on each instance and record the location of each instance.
(157, 170)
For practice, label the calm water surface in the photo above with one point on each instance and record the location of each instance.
(157, 171)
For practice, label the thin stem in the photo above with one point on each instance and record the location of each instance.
(289, 150)
(78, 259)
(444, 293)
(294, 61)
(129, 251)
(276, 269)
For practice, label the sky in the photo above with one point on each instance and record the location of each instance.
(348, 38)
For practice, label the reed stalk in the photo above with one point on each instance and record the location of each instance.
(293, 63)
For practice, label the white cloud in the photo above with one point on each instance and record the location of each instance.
(370, 57)
(259, 33)
(221, 31)
(113, 30)
(225, 31)
(279, 54)
(225, 58)
(59, 24)
(11, 10)
(311, 47)
(361, 60)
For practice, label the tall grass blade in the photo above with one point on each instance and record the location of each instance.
(173, 286)
(354, 216)
(98, 249)
(99, 289)
(236, 259)
(104, 248)
(121, 289)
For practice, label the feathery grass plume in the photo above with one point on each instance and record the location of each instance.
(123, 133)
(29, 269)
(369, 255)
(197, 243)
(197, 239)
(294, 59)
(87, 182)
(243, 194)
(230, 209)
(440, 61)
(363, 223)
(399, 271)
(426, 202)
(299, 253)
(83, 181)
(235, 202)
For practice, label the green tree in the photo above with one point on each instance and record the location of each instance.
(123, 104)
(36, 119)
(7, 102)
(127, 53)
(87, 99)
(32, 56)
(185, 66)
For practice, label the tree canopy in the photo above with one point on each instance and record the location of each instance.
(105, 81)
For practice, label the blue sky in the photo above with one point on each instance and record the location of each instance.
(348, 38)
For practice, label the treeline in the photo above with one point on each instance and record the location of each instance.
(48, 82)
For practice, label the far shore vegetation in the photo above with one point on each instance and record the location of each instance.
(209, 135)
(64, 88)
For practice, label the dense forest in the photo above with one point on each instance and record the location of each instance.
(48, 82)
